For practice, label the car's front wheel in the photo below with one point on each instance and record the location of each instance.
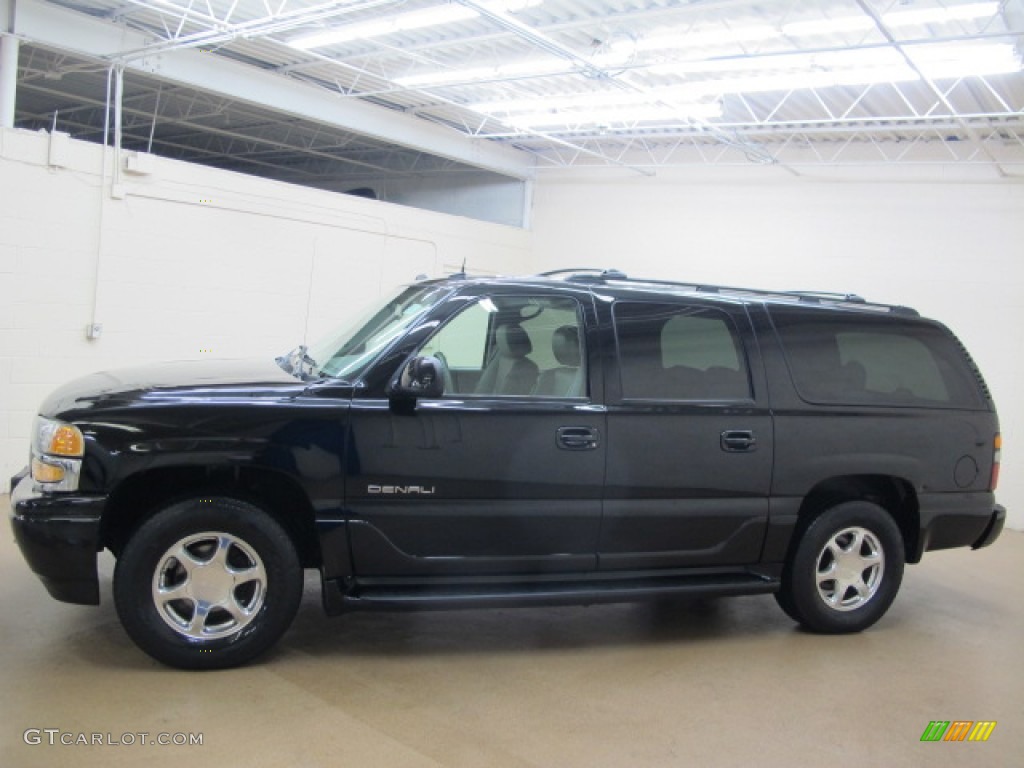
(845, 570)
(207, 583)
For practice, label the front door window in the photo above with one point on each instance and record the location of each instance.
(513, 346)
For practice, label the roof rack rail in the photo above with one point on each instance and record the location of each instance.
(598, 275)
(851, 298)
(587, 274)
(569, 271)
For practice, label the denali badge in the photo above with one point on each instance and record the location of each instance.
(405, 490)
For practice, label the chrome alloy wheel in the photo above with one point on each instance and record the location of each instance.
(209, 585)
(850, 569)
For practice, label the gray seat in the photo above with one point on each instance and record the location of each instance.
(509, 371)
(567, 379)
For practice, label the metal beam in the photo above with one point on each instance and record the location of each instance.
(61, 29)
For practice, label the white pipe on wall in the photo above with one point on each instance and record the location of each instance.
(8, 78)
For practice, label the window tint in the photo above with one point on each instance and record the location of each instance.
(676, 352)
(513, 345)
(881, 361)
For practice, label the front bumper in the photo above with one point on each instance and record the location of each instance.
(59, 536)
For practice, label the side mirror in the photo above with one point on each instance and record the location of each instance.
(420, 377)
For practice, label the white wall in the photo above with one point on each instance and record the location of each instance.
(951, 248)
(481, 195)
(191, 262)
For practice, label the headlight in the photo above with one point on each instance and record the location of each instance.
(57, 438)
(57, 449)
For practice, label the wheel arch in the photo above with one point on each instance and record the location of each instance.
(142, 495)
(894, 494)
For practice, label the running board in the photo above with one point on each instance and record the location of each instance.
(378, 596)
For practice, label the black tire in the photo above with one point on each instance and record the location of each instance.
(860, 544)
(207, 583)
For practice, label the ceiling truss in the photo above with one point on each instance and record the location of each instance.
(970, 120)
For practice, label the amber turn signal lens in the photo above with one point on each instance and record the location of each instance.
(46, 473)
(66, 441)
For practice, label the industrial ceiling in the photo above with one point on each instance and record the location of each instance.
(336, 93)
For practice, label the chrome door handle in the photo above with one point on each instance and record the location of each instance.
(578, 438)
(739, 440)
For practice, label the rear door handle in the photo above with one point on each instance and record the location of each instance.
(739, 440)
(578, 438)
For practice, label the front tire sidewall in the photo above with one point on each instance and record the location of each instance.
(135, 569)
(800, 597)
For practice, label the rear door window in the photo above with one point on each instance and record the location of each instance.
(679, 352)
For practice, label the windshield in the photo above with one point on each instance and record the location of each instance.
(347, 352)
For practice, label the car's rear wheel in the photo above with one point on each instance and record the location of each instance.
(845, 570)
(207, 583)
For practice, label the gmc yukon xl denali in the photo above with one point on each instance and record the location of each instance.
(574, 437)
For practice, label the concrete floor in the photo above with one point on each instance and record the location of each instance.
(700, 683)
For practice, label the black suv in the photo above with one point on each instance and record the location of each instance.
(575, 437)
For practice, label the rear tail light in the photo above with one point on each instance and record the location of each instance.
(997, 453)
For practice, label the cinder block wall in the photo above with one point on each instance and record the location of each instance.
(189, 262)
(943, 239)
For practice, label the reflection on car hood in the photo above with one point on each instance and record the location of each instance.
(192, 381)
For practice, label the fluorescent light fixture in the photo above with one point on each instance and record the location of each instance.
(705, 38)
(794, 81)
(428, 17)
(574, 101)
(859, 67)
(613, 116)
(943, 61)
(786, 62)
(596, 108)
(828, 26)
(552, 65)
(709, 38)
(941, 15)
(525, 68)
(402, 22)
(863, 23)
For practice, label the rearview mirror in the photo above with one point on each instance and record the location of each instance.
(420, 377)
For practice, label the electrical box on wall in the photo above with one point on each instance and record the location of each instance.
(60, 149)
(139, 163)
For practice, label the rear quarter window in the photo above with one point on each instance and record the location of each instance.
(857, 360)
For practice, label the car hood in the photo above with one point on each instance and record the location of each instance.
(186, 381)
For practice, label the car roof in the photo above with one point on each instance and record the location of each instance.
(619, 284)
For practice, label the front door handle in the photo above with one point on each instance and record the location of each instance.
(578, 438)
(739, 440)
